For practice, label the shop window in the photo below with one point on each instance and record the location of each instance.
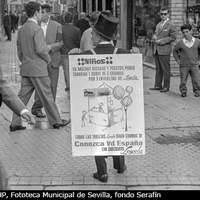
(146, 17)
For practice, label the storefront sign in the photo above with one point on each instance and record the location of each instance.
(107, 104)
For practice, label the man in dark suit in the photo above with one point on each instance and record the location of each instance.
(164, 35)
(71, 39)
(7, 25)
(53, 36)
(103, 32)
(33, 54)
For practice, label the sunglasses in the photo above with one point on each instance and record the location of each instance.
(163, 13)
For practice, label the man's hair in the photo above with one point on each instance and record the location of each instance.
(186, 26)
(47, 7)
(31, 7)
(68, 17)
(164, 9)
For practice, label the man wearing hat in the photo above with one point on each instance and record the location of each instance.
(103, 32)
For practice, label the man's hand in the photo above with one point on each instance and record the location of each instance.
(134, 50)
(48, 48)
(28, 117)
(75, 50)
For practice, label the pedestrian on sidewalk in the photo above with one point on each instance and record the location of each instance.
(82, 23)
(53, 37)
(186, 54)
(164, 35)
(103, 32)
(7, 25)
(32, 52)
(86, 39)
(71, 36)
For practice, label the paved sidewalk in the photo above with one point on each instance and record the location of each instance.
(40, 158)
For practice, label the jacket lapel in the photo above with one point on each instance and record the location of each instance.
(48, 33)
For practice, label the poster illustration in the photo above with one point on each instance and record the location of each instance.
(107, 104)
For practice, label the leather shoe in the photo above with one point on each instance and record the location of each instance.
(183, 95)
(156, 88)
(164, 90)
(119, 171)
(64, 123)
(39, 114)
(103, 178)
(16, 128)
(196, 94)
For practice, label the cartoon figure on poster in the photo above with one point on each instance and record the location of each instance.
(107, 106)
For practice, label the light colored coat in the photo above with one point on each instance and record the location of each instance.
(54, 38)
(31, 49)
(166, 35)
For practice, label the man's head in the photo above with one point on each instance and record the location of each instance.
(105, 28)
(68, 17)
(33, 10)
(186, 29)
(46, 12)
(93, 17)
(164, 13)
(83, 15)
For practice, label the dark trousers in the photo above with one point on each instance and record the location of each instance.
(194, 73)
(163, 70)
(118, 163)
(8, 32)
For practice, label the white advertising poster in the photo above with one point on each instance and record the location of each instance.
(107, 104)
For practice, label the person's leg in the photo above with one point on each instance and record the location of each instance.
(184, 71)
(119, 164)
(37, 105)
(53, 75)
(42, 87)
(194, 73)
(159, 73)
(65, 61)
(166, 69)
(25, 93)
(101, 165)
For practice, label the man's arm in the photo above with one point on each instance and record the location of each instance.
(59, 41)
(176, 53)
(170, 38)
(19, 49)
(14, 103)
(40, 45)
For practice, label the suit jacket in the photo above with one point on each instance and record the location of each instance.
(9, 97)
(54, 38)
(7, 20)
(71, 38)
(167, 35)
(32, 50)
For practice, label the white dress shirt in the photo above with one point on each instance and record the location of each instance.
(188, 43)
(44, 27)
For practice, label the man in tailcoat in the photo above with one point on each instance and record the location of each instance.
(53, 37)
